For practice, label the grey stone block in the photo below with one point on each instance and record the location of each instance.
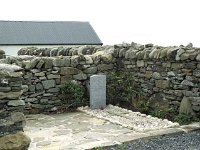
(16, 103)
(98, 91)
(48, 84)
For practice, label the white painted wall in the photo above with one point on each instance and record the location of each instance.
(13, 49)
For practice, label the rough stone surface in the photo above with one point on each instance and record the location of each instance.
(18, 141)
(186, 106)
(171, 71)
(69, 71)
(10, 95)
(48, 84)
(16, 103)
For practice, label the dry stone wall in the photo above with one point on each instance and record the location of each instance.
(12, 119)
(163, 73)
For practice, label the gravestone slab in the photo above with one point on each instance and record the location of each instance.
(98, 91)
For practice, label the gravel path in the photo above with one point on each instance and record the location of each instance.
(184, 141)
(129, 119)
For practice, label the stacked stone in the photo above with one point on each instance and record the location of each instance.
(164, 74)
(60, 51)
(11, 116)
(167, 75)
(2, 54)
(12, 119)
(43, 77)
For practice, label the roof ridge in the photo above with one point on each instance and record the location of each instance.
(35, 21)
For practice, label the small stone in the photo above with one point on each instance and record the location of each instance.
(196, 73)
(163, 84)
(16, 103)
(69, 71)
(25, 88)
(61, 62)
(31, 88)
(5, 89)
(80, 76)
(39, 74)
(189, 45)
(53, 76)
(53, 90)
(47, 84)
(171, 74)
(91, 70)
(140, 63)
(10, 95)
(187, 83)
(105, 67)
(156, 75)
(39, 87)
(48, 63)
(40, 64)
(18, 117)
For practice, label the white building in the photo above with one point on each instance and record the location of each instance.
(15, 35)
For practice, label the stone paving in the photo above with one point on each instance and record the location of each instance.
(78, 130)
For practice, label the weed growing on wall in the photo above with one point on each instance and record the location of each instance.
(73, 93)
(121, 88)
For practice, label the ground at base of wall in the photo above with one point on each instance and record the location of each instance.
(79, 130)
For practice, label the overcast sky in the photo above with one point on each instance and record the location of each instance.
(162, 22)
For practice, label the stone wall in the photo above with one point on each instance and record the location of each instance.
(12, 119)
(163, 73)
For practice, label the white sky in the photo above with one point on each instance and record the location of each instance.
(162, 22)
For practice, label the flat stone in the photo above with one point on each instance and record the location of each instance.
(163, 84)
(31, 88)
(187, 83)
(16, 103)
(31, 100)
(10, 95)
(91, 70)
(40, 64)
(156, 75)
(53, 76)
(53, 90)
(69, 71)
(140, 63)
(61, 62)
(47, 84)
(80, 76)
(5, 89)
(18, 117)
(39, 86)
(48, 63)
(105, 67)
(196, 73)
(40, 74)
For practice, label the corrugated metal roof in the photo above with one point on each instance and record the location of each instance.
(42, 33)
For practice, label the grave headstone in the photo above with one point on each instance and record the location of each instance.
(98, 91)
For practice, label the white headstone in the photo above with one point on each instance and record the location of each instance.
(98, 91)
